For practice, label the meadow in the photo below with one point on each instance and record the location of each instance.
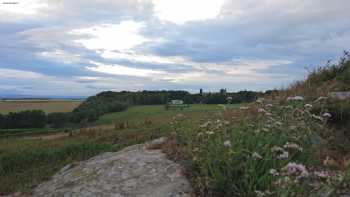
(48, 106)
(27, 160)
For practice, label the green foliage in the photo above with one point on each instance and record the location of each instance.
(339, 72)
(91, 109)
(36, 165)
(58, 119)
(24, 119)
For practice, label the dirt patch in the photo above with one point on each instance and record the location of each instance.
(48, 136)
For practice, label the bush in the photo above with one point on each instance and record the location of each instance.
(24, 119)
(94, 107)
(58, 120)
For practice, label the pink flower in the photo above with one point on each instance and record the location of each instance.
(298, 170)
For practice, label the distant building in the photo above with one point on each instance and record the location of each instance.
(223, 91)
(176, 102)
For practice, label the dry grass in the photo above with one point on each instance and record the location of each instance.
(47, 106)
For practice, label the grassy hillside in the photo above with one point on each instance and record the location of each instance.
(325, 79)
(277, 146)
(155, 112)
(27, 160)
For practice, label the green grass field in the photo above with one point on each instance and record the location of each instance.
(27, 160)
(156, 112)
(47, 106)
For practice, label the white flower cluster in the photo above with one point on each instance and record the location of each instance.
(293, 146)
(281, 153)
(295, 98)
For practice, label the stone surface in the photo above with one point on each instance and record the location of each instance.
(340, 95)
(134, 171)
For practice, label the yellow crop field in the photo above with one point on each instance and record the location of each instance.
(48, 106)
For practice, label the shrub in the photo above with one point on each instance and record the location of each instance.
(94, 107)
(58, 120)
(24, 119)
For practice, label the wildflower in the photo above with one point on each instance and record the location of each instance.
(260, 100)
(278, 123)
(261, 110)
(282, 182)
(265, 129)
(308, 106)
(268, 114)
(322, 174)
(205, 125)
(274, 172)
(317, 117)
(293, 146)
(268, 105)
(296, 169)
(320, 99)
(210, 132)
(259, 193)
(277, 149)
(283, 155)
(256, 155)
(250, 125)
(262, 194)
(326, 115)
(227, 144)
(226, 122)
(295, 98)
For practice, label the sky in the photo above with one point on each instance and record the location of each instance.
(82, 47)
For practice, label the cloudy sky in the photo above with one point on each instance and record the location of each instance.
(81, 47)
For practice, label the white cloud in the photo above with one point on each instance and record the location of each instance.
(61, 56)
(21, 9)
(142, 58)
(123, 36)
(182, 11)
(19, 74)
(115, 69)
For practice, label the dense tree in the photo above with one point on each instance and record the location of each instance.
(24, 119)
(58, 120)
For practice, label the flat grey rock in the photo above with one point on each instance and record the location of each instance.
(133, 171)
(340, 95)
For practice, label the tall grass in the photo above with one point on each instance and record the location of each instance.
(19, 169)
(267, 150)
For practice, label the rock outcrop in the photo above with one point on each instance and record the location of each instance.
(133, 171)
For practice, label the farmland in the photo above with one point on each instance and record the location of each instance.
(48, 106)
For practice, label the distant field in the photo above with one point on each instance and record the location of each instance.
(48, 106)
